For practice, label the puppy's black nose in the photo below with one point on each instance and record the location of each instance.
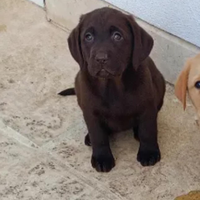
(101, 58)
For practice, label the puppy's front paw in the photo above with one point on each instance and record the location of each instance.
(103, 160)
(148, 157)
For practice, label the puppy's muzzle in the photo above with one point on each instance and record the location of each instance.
(101, 58)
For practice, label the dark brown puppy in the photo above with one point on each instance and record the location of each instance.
(118, 86)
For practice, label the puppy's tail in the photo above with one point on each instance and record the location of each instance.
(67, 92)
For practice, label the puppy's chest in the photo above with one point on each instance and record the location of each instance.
(118, 115)
(119, 110)
(117, 107)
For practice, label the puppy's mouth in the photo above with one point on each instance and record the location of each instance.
(104, 74)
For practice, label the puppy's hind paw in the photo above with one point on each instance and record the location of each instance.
(135, 133)
(87, 140)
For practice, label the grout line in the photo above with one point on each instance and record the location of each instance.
(89, 181)
(8, 131)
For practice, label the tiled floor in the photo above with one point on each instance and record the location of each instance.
(42, 154)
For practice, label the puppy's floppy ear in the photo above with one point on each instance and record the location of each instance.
(142, 42)
(74, 43)
(181, 84)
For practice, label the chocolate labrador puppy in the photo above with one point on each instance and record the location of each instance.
(118, 86)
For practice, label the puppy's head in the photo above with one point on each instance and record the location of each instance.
(189, 80)
(106, 42)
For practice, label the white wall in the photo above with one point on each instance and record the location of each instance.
(38, 2)
(178, 17)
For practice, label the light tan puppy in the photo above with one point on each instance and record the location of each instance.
(189, 81)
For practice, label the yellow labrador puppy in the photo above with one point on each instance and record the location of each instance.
(189, 80)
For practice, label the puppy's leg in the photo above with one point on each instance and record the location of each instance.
(87, 137)
(102, 159)
(149, 152)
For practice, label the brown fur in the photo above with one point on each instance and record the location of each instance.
(118, 86)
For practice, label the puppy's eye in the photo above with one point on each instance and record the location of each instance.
(89, 37)
(197, 84)
(117, 36)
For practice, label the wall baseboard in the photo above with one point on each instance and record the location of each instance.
(38, 2)
(169, 52)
